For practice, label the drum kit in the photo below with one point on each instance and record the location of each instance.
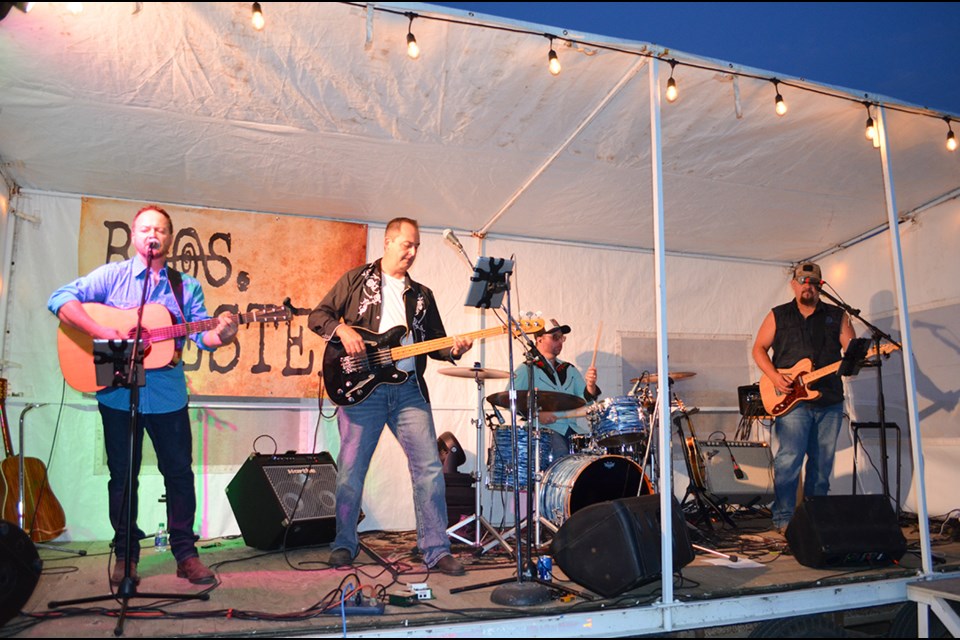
(604, 464)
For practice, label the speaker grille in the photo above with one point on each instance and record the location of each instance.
(304, 491)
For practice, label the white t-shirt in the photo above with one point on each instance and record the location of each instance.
(394, 313)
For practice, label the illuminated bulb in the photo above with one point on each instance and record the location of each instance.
(413, 49)
(671, 89)
(257, 17)
(554, 63)
(76, 8)
(871, 130)
(781, 105)
(951, 141)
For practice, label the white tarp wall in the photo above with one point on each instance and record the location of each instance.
(709, 300)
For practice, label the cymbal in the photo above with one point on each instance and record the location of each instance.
(474, 372)
(549, 400)
(652, 377)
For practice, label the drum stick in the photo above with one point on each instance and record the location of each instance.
(596, 345)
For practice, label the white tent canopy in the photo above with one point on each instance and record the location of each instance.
(323, 114)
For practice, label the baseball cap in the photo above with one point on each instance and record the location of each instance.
(552, 326)
(807, 269)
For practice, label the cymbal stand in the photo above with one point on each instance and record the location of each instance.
(21, 504)
(481, 522)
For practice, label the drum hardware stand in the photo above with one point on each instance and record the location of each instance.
(852, 368)
(117, 367)
(481, 522)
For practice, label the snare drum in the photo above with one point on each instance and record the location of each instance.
(578, 481)
(500, 476)
(621, 422)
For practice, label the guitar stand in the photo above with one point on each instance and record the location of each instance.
(704, 501)
(21, 516)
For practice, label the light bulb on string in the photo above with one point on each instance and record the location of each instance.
(553, 62)
(672, 93)
(951, 138)
(413, 49)
(781, 106)
(871, 130)
(256, 17)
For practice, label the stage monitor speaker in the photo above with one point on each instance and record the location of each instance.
(722, 459)
(612, 547)
(285, 500)
(833, 531)
(20, 568)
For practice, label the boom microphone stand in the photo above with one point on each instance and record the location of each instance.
(876, 336)
(128, 373)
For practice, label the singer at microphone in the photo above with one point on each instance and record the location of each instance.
(806, 424)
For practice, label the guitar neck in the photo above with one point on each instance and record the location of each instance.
(418, 348)
(7, 443)
(833, 368)
(180, 330)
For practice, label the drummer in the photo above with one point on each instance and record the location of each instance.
(553, 374)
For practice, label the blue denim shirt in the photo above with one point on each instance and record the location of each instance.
(120, 285)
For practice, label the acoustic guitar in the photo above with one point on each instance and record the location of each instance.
(43, 517)
(777, 403)
(75, 348)
(350, 379)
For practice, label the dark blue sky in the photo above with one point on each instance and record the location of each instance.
(907, 51)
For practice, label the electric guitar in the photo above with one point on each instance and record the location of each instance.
(350, 379)
(777, 403)
(75, 348)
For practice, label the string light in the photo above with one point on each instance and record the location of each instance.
(672, 93)
(871, 130)
(781, 105)
(413, 49)
(257, 17)
(951, 139)
(553, 62)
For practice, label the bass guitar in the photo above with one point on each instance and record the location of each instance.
(43, 517)
(777, 403)
(75, 348)
(350, 379)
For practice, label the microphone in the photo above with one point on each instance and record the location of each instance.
(497, 413)
(449, 236)
(153, 244)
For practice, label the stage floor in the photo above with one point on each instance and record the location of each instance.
(284, 593)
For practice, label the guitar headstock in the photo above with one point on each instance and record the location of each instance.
(530, 325)
(275, 314)
(3, 389)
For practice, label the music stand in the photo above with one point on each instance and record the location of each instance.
(853, 357)
(120, 365)
(489, 285)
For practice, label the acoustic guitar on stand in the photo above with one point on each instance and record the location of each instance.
(75, 348)
(777, 403)
(43, 517)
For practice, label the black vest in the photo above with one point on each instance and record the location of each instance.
(816, 337)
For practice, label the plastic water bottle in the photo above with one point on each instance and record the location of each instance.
(160, 540)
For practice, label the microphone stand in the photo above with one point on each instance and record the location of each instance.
(131, 379)
(876, 336)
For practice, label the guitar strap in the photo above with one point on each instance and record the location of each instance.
(176, 283)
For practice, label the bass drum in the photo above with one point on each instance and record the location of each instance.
(578, 481)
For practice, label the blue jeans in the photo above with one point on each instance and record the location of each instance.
(408, 416)
(170, 434)
(808, 430)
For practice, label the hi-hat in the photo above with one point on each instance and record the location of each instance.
(652, 377)
(548, 400)
(474, 372)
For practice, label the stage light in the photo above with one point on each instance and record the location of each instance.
(413, 49)
(672, 93)
(451, 453)
(257, 17)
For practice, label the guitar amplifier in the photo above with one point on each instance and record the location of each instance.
(721, 460)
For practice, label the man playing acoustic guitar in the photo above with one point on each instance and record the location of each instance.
(162, 409)
(805, 327)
